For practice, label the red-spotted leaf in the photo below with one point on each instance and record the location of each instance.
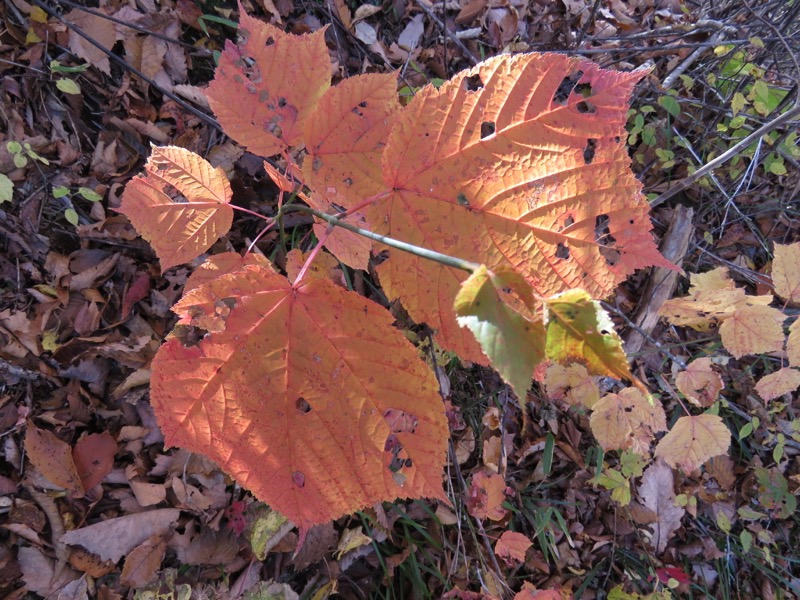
(181, 205)
(266, 87)
(304, 394)
(513, 343)
(519, 164)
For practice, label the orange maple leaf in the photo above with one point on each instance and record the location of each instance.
(181, 205)
(510, 165)
(305, 395)
(266, 88)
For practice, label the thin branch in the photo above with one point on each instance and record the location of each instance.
(199, 114)
(444, 259)
(726, 156)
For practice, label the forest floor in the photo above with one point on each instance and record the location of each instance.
(84, 307)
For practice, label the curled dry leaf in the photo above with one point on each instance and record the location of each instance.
(627, 421)
(657, 493)
(700, 383)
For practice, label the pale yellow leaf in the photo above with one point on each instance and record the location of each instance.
(793, 344)
(699, 382)
(753, 330)
(571, 384)
(786, 272)
(779, 383)
(693, 440)
(627, 420)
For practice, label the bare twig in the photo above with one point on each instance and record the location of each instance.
(424, 6)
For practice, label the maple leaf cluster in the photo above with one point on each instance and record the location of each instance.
(304, 392)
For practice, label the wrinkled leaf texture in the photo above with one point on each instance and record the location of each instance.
(305, 395)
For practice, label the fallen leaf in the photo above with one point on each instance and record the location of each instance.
(700, 383)
(693, 440)
(627, 420)
(786, 272)
(143, 562)
(486, 496)
(657, 493)
(114, 538)
(777, 384)
(753, 330)
(511, 547)
(571, 384)
(53, 458)
(94, 458)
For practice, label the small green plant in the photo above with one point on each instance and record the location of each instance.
(21, 153)
(62, 193)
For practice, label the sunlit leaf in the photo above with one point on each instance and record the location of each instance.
(693, 440)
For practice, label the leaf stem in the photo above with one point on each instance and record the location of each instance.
(444, 259)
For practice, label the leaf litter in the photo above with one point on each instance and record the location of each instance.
(86, 308)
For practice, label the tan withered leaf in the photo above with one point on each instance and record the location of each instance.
(142, 564)
(657, 493)
(778, 383)
(305, 395)
(786, 272)
(700, 383)
(793, 344)
(572, 384)
(693, 440)
(53, 458)
(627, 421)
(181, 205)
(753, 330)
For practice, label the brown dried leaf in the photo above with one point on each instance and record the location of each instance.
(94, 458)
(142, 563)
(699, 382)
(53, 458)
(114, 538)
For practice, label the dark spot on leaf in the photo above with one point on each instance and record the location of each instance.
(616, 139)
(631, 221)
(462, 200)
(487, 129)
(588, 152)
(355, 111)
(263, 96)
(363, 104)
(473, 83)
(281, 102)
(392, 443)
(565, 88)
(585, 107)
(409, 462)
(584, 89)
(569, 221)
(270, 41)
(298, 479)
(348, 182)
(562, 251)
(303, 406)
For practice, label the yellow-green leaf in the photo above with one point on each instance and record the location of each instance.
(68, 86)
(513, 343)
(578, 329)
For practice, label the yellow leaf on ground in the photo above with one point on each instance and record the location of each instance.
(753, 330)
(627, 420)
(793, 344)
(700, 383)
(786, 272)
(779, 383)
(693, 440)
(571, 384)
